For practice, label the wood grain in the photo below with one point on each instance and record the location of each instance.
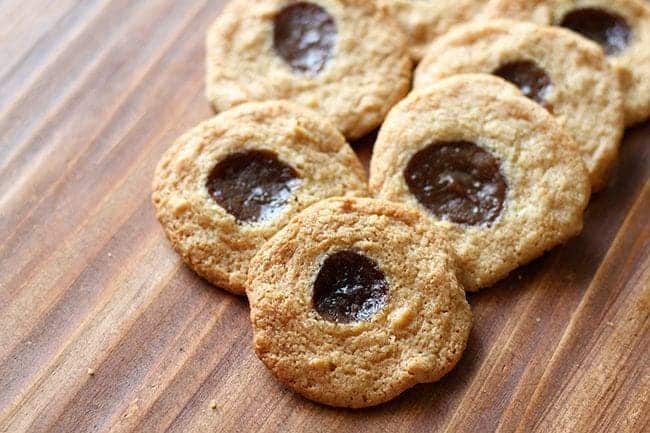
(103, 329)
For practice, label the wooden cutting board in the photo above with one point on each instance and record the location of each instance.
(103, 329)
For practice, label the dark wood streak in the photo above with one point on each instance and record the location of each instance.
(37, 45)
(93, 93)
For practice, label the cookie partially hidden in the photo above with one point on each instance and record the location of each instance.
(563, 72)
(355, 301)
(620, 27)
(346, 59)
(425, 20)
(229, 184)
(490, 164)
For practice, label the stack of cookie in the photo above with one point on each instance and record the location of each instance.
(356, 287)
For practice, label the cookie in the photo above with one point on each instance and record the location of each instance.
(229, 184)
(565, 73)
(345, 59)
(490, 164)
(620, 27)
(425, 20)
(355, 301)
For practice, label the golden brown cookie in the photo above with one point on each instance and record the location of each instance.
(620, 27)
(425, 20)
(490, 164)
(346, 59)
(355, 301)
(565, 73)
(229, 184)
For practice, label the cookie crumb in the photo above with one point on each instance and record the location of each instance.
(401, 317)
(322, 363)
(178, 206)
(213, 404)
(538, 319)
(91, 372)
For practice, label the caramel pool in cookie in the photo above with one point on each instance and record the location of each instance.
(230, 183)
(304, 35)
(253, 185)
(356, 300)
(490, 165)
(349, 287)
(457, 181)
(532, 80)
(606, 28)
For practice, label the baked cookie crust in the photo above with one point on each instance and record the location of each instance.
(418, 335)
(213, 241)
(631, 64)
(369, 70)
(425, 20)
(583, 93)
(547, 184)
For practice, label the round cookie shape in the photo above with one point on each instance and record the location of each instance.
(563, 72)
(363, 255)
(226, 186)
(345, 59)
(425, 20)
(620, 27)
(529, 193)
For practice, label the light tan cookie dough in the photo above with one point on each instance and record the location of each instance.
(621, 27)
(425, 20)
(229, 184)
(346, 59)
(355, 301)
(565, 73)
(494, 167)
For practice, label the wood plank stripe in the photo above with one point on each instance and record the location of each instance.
(60, 83)
(110, 212)
(151, 122)
(35, 53)
(596, 306)
(99, 140)
(561, 345)
(56, 323)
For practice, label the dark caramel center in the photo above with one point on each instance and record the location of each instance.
(606, 28)
(252, 186)
(349, 288)
(304, 36)
(457, 181)
(530, 78)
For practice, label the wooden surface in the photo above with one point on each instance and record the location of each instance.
(103, 329)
